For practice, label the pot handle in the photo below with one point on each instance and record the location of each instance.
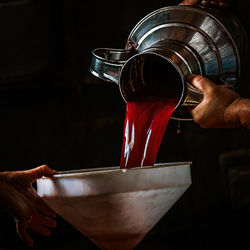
(193, 96)
(106, 63)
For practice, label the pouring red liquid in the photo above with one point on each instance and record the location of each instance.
(155, 91)
(145, 123)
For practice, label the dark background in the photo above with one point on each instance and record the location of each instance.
(54, 111)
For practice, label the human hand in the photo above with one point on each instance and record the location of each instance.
(217, 109)
(19, 198)
(221, 3)
(190, 2)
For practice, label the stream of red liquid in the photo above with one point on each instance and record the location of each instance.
(145, 123)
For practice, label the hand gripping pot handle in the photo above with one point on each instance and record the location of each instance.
(186, 39)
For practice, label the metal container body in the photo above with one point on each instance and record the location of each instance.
(192, 39)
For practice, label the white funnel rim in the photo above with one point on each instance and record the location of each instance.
(114, 180)
(92, 171)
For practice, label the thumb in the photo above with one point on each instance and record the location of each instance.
(200, 82)
(40, 171)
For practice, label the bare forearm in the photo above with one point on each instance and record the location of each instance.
(238, 113)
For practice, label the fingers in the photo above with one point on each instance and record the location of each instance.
(15, 203)
(39, 172)
(46, 221)
(21, 228)
(41, 224)
(43, 207)
(196, 113)
(18, 198)
(38, 224)
(40, 229)
(201, 83)
(22, 213)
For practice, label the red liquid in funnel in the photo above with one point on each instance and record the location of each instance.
(145, 124)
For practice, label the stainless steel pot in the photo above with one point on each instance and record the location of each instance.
(169, 44)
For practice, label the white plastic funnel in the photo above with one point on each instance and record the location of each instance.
(115, 209)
